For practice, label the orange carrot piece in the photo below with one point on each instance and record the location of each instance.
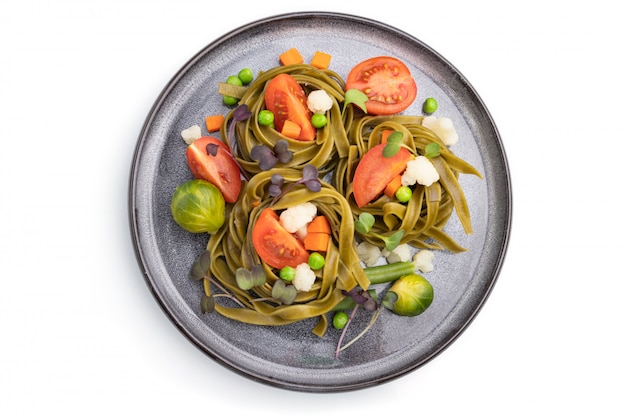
(290, 57)
(385, 134)
(321, 60)
(291, 129)
(317, 242)
(392, 187)
(214, 123)
(319, 224)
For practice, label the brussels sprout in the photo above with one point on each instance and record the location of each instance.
(198, 206)
(410, 295)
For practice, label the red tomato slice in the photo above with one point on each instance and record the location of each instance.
(386, 81)
(220, 170)
(287, 100)
(375, 171)
(275, 245)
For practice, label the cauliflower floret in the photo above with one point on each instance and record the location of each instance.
(296, 217)
(319, 101)
(304, 278)
(423, 260)
(190, 134)
(443, 128)
(420, 170)
(401, 253)
(368, 253)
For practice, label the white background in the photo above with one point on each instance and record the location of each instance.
(80, 332)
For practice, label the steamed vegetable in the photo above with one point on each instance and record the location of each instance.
(198, 206)
(410, 295)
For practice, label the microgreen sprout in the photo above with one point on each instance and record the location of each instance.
(432, 150)
(363, 299)
(364, 226)
(310, 178)
(240, 114)
(250, 278)
(356, 97)
(211, 149)
(284, 292)
(394, 143)
(268, 158)
(200, 270)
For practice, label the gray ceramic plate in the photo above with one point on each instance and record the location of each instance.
(292, 357)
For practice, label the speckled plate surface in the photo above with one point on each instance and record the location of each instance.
(291, 357)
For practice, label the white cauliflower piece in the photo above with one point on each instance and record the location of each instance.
(319, 101)
(304, 278)
(423, 260)
(190, 134)
(420, 170)
(368, 253)
(401, 253)
(443, 127)
(297, 217)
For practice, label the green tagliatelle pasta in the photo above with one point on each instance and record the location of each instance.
(331, 141)
(231, 248)
(423, 218)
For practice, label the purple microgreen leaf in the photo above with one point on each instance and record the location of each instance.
(282, 152)
(263, 154)
(309, 172)
(200, 267)
(278, 180)
(211, 149)
(274, 190)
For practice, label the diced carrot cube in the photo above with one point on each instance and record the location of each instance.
(392, 187)
(214, 123)
(317, 242)
(321, 60)
(290, 57)
(291, 129)
(319, 224)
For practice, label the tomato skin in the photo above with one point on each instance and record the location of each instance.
(220, 170)
(375, 171)
(386, 81)
(287, 100)
(275, 245)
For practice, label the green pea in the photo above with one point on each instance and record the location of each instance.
(266, 118)
(230, 101)
(234, 80)
(287, 273)
(316, 261)
(246, 76)
(340, 319)
(319, 120)
(430, 105)
(403, 194)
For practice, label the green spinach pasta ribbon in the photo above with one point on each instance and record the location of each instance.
(231, 248)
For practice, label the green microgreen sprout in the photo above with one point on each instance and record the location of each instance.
(356, 97)
(432, 150)
(394, 143)
(200, 270)
(250, 278)
(284, 292)
(268, 158)
(364, 226)
(310, 178)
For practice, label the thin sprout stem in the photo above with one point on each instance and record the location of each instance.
(226, 293)
(369, 326)
(345, 329)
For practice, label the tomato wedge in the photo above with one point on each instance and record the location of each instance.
(375, 171)
(275, 245)
(220, 170)
(287, 100)
(386, 81)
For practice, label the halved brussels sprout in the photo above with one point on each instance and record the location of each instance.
(198, 206)
(410, 295)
